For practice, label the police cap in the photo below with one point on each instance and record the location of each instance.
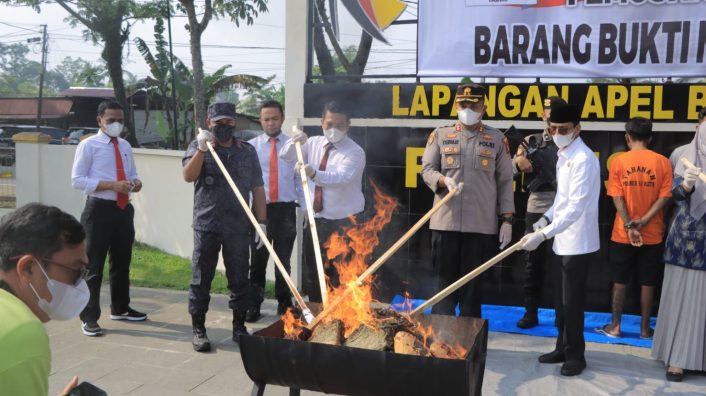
(552, 101)
(220, 110)
(470, 92)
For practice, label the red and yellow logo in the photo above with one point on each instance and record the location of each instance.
(374, 16)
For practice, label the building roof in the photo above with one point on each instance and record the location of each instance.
(26, 108)
(88, 92)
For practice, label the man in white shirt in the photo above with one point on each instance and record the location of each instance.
(104, 169)
(573, 223)
(335, 164)
(282, 190)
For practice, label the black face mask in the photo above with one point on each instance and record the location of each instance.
(223, 132)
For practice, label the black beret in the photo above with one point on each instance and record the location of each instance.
(470, 92)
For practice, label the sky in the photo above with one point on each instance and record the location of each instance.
(257, 49)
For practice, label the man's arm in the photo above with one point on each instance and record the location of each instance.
(654, 209)
(431, 164)
(80, 180)
(622, 209)
(259, 204)
(192, 166)
(504, 182)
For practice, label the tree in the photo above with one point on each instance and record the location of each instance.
(107, 22)
(237, 10)
(158, 85)
(79, 72)
(352, 63)
(254, 98)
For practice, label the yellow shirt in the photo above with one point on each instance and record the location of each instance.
(25, 357)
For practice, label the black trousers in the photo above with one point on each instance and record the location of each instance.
(535, 263)
(207, 245)
(454, 254)
(109, 230)
(310, 278)
(281, 231)
(569, 299)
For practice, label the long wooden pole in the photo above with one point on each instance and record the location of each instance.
(689, 164)
(467, 278)
(380, 261)
(312, 224)
(246, 208)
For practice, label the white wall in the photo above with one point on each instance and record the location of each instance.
(163, 209)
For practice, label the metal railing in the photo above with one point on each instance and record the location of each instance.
(7, 178)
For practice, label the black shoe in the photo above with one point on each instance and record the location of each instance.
(673, 376)
(130, 315)
(552, 357)
(572, 367)
(528, 321)
(200, 341)
(91, 329)
(282, 307)
(253, 315)
(239, 325)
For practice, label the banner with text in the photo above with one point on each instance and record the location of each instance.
(562, 38)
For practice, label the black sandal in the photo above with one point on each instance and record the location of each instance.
(673, 376)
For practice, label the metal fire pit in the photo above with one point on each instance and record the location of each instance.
(270, 359)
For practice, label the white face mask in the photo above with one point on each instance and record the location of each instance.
(562, 141)
(113, 129)
(468, 116)
(334, 135)
(67, 301)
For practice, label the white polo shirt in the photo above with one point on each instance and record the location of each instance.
(574, 214)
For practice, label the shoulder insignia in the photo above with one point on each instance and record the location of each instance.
(432, 138)
(458, 127)
(507, 145)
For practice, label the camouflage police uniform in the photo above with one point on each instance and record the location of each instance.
(464, 231)
(220, 222)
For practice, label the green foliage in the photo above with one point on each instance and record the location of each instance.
(250, 105)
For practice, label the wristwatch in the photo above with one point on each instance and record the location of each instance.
(510, 219)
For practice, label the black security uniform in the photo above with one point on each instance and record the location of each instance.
(220, 223)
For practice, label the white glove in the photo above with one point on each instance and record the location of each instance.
(450, 183)
(505, 235)
(307, 169)
(298, 136)
(203, 137)
(540, 224)
(259, 241)
(690, 177)
(532, 241)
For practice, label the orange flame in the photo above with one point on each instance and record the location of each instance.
(293, 325)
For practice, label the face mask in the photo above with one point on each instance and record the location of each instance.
(562, 141)
(223, 132)
(113, 129)
(67, 301)
(334, 135)
(468, 117)
(701, 132)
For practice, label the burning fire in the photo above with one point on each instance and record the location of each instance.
(350, 252)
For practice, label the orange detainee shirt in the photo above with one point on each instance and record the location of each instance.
(640, 177)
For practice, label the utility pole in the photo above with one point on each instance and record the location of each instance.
(171, 67)
(41, 75)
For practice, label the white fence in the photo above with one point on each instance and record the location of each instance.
(163, 209)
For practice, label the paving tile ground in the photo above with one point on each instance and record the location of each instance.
(156, 358)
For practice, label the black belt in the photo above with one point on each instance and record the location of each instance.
(283, 204)
(102, 201)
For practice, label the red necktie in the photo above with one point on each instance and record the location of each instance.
(318, 191)
(122, 198)
(274, 189)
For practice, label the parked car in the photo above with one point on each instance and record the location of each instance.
(74, 135)
(8, 131)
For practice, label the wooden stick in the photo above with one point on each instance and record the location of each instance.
(306, 311)
(380, 261)
(466, 278)
(689, 164)
(312, 225)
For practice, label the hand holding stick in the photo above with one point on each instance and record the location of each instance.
(380, 261)
(312, 224)
(278, 263)
(467, 278)
(689, 164)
